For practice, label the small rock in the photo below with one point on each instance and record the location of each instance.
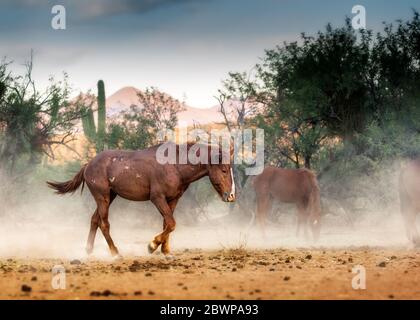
(34, 278)
(107, 293)
(286, 278)
(382, 264)
(75, 261)
(138, 293)
(26, 288)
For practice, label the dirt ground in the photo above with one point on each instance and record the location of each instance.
(222, 274)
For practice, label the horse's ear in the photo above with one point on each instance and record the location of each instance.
(220, 156)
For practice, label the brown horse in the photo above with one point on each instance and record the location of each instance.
(138, 176)
(410, 198)
(298, 186)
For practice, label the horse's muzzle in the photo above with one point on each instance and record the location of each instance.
(229, 197)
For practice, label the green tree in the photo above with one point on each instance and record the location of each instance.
(324, 78)
(138, 129)
(240, 99)
(158, 108)
(397, 56)
(133, 132)
(33, 121)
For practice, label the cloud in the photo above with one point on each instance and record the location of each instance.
(99, 8)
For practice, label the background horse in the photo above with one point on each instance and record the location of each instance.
(138, 176)
(298, 186)
(410, 198)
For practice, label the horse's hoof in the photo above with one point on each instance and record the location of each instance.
(117, 257)
(170, 257)
(151, 247)
(89, 251)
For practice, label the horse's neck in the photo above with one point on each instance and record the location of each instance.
(191, 173)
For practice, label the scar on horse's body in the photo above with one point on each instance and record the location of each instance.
(138, 176)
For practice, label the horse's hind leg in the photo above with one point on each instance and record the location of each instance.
(264, 204)
(94, 224)
(409, 215)
(103, 203)
(302, 221)
(168, 225)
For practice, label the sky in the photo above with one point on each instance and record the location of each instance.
(183, 47)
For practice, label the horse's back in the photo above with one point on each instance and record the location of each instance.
(287, 185)
(127, 173)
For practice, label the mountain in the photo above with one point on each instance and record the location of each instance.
(127, 96)
(121, 101)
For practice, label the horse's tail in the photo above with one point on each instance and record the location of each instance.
(71, 185)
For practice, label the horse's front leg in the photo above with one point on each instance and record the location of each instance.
(168, 225)
(165, 244)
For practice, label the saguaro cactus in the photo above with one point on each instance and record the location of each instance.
(100, 141)
(94, 135)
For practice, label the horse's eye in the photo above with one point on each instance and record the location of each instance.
(224, 170)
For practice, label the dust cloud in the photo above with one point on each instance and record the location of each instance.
(36, 223)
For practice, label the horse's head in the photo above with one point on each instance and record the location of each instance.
(221, 177)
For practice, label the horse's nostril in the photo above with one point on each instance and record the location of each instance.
(231, 197)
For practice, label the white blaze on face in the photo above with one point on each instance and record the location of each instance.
(232, 191)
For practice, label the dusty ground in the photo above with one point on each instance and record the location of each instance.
(222, 274)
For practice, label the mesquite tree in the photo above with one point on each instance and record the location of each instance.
(33, 121)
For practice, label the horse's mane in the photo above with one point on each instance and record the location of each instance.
(190, 144)
(210, 147)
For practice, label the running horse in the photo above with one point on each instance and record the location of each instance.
(298, 186)
(409, 189)
(139, 176)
